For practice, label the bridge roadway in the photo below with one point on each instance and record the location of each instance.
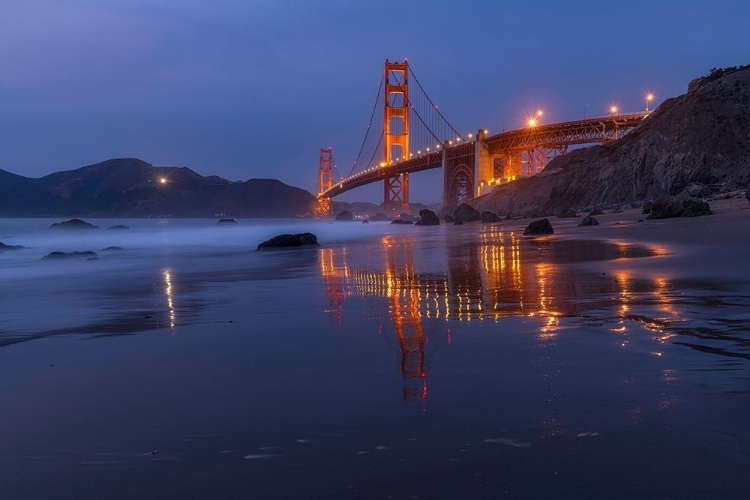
(550, 136)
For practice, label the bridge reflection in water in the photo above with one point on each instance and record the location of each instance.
(497, 276)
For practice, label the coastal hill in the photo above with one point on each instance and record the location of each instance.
(696, 144)
(129, 187)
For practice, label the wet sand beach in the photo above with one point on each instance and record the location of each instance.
(392, 362)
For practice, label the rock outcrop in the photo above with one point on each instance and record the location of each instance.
(73, 224)
(289, 241)
(88, 255)
(449, 219)
(589, 221)
(668, 207)
(695, 140)
(402, 221)
(567, 213)
(539, 227)
(118, 227)
(4, 247)
(489, 217)
(427, 218)
(466, 213)
(227, 221)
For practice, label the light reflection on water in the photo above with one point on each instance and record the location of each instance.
(499, 276)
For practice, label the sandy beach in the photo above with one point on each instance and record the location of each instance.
(393, 361)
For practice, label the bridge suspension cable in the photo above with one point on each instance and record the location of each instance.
(369, 125)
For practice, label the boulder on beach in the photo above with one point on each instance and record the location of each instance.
(3, 247)
(365, 221)
(406, 216)
(647, 206)
(538, 227)
(345, 216)
(88, 255)
(73, 224)
(596, 211)
(566, 213)
(227, 221)
(428, 218)
(117, 227)
(401, 221)
(695, 208)
(449, 219)
(466, 213)
(589, 221)
(289, 241)
(111, 249)
(669, 207)
(489, 217)
(747, 194)
(458, 223)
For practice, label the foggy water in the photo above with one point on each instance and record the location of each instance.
(391, 362)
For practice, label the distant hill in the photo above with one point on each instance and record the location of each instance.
(129, 187)
(698, 142)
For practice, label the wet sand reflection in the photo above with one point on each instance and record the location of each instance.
(499, 276)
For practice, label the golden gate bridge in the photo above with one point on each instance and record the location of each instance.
(417, 137)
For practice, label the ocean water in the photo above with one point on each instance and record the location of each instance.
(390, 362)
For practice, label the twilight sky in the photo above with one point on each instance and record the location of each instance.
(253, 88)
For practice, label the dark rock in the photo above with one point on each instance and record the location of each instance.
(3, 246)
(405, 216)
(507, 217)
(227, 221)
(345, 216)
(589, 221)
(616, 210)
(401, 221)
(449, 219)
(118, 227)
(647, 206)
(747, 194)
(73, 224)
(695, 208)
(665, 208)
(380, 217)
(458, 223)
(596, 211)
(466, 213)
(289, 241)
(111, 249)
(89, 255)
(566, 213)
(489, 217)
(428, 218)
(698, 190)
(365, 221)
(538, 227)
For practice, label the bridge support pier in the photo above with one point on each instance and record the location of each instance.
(396, 191)
(489, 166)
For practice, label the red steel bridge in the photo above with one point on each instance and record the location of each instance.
(416, 137)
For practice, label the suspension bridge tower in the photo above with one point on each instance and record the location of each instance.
(396, 131)
(325, 180)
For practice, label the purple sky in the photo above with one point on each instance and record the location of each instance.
(244, 88)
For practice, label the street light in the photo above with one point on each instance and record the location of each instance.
(613, 109)
(649, 98)
(163, 180)
(532, 122)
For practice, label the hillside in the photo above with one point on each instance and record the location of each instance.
(130, 187)
(698, 142)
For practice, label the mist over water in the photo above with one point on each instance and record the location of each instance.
(442, 362)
